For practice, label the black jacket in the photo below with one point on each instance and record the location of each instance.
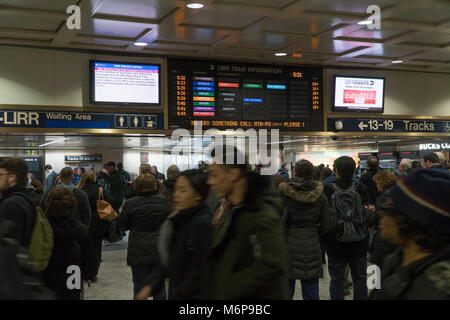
(349, 249)
(143, 215)
(371, 186)
(20, 212)
(424, 279)
(166, 189)
(82, 211)
(98, 227)
(72, 247)
(307, 216)
(380, 247)
(187, 237)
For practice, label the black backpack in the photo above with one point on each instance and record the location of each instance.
(348, 214)
(18, 279)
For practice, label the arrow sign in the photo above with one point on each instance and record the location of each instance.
(362, 125)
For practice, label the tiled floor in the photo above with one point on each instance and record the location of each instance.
(114, 279)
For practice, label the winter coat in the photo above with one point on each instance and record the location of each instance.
(143, 215)
(98, 227)
(72, 247)
(166, 189)
(116, 189)
(82, 211)
(49, 182)
(307, 216)
(348, 249)
(248, 259)
(20, 212)
(424, 279)
(367, 179)
(184, 244)
(380, 247)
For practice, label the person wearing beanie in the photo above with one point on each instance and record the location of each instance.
(417, 219)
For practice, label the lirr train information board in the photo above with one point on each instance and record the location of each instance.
(79, 120)
(238, 95)
(391, 125)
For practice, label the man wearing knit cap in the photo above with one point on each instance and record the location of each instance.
(417, 219)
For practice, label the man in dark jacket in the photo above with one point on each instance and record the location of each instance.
(418, 221)
(248, 259)
(82, 211)
(15, 210)
(367, 179)
(50, 181)
(116, 185)
(284, 171)
(432, 161)
(341, 253)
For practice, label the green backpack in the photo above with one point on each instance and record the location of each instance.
(41, 244)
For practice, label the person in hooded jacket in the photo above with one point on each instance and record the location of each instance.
(306, 217)
(417, 219)
(143, 215)
(98, 228)
(167, 186)
(380, 248)
(72, 247)
(184, 241)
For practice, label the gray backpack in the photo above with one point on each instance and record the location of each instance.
(348, 214)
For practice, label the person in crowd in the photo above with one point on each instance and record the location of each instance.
(126, 176)
(417, 219)
(158, 175)
(166, 188)
(416, 165)
(367, 179)
(49, 182)
(381, 248)
(82, 211)
(342, 247)
(76, 176)
(29, 177)
(307, 217)
(98, 228)
(17, 205)
(277, 180)
(82, 171)
(143, 215)
(248, 258)
(72, 245)
(143, 168)
(405, 167)
(184, 241)
(116, 185)
(432, 161)
(37, 186)
(202, 165)
(258, 168)
(326, 172)
(441, 157)
(284, 171)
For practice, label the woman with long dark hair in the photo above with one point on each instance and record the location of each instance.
(184, 241)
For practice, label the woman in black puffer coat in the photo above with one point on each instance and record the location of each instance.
(98, 228)
(143, 215)
(306, 217)
(73, 258)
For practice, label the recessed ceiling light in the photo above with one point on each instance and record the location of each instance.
(141, 44)
(195, 5)
(397, 61)
(281, 54)
(365, 22)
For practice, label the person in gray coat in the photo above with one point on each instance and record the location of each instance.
(306, 217)
(50, 181)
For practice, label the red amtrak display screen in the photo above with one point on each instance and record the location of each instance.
(239, 95)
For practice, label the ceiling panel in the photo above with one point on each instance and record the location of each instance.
(265, 3)
(219, 18)
(305, 25)
(383, 33)
(198, 35)
(26, 21)
(59, 5)
(434, 38)
(148, 9)
(390, 51)
(114, 28)
(429, 12)
(359, 6)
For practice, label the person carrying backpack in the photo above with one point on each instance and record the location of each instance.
(348, 241)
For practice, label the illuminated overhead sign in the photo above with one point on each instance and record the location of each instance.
(388, 125)
(434, 146)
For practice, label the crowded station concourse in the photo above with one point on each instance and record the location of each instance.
(224, 150)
